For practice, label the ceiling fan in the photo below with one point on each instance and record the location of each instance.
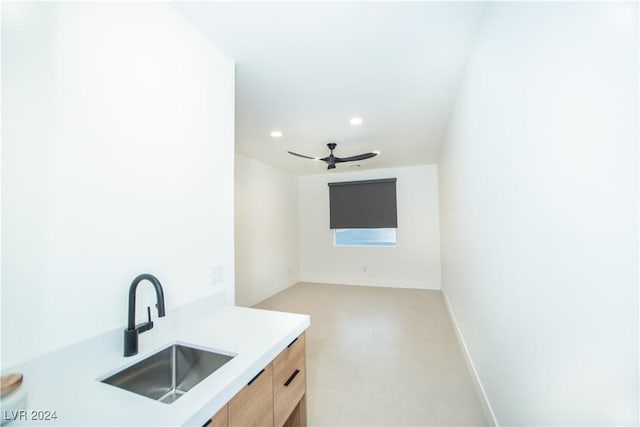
(331, 160)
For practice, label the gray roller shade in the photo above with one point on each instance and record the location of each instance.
(363, 204)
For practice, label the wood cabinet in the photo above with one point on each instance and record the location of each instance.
(275, 397)
(220, 419)
(289, 381)
(253, 405)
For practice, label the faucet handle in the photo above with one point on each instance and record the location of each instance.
(149, 325)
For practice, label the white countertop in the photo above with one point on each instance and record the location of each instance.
(67, 381)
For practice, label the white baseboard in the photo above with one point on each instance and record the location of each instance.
(486, 405)
(400, 284)
(255, 299)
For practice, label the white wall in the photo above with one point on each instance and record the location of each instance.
(266, 214)
(414, 263)
(539, 208)
(117, 159)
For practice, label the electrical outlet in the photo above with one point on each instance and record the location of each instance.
(216, 274)
(364, 268)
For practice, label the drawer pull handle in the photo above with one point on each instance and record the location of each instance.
(207, 423)
(254, 378)
(296, 372)
(291, 343)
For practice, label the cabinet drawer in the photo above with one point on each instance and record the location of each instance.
(253, 405)
(289, 380)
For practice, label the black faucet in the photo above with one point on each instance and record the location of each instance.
(133, 330)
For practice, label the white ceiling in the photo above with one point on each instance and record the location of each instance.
(307, 68)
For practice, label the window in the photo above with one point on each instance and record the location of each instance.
(363, 213)
(375, 237)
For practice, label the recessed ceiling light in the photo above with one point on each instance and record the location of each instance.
(356, 121)
(276, 134)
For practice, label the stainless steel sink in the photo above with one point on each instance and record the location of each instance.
(168, 374)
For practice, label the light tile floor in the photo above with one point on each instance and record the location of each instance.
(381, 356)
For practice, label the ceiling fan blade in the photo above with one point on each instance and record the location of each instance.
(303, 156)
(356, 158)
